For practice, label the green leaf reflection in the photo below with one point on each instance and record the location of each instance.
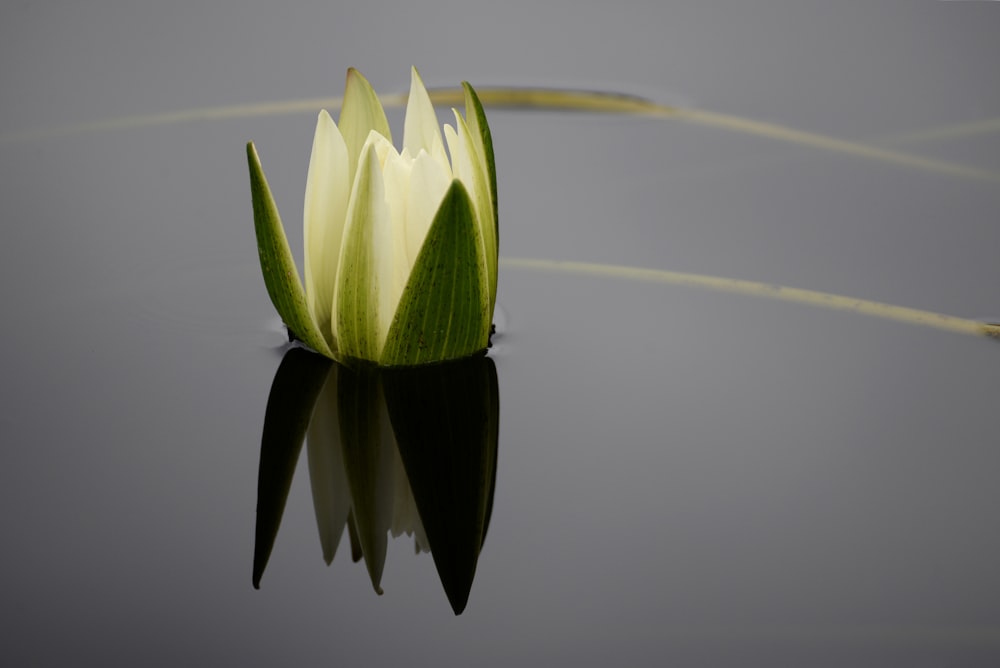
(289, 406)
(390, 451)
(439, 414)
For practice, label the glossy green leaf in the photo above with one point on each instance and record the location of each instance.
(444, 311)
(284, 286)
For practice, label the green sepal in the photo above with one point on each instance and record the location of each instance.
(479, 190)
(479, 128)
(281, 277)
(443, 313)
(475, 116)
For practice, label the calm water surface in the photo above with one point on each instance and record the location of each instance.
(681, 475)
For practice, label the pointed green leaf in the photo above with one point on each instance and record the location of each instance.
(443, 313)
(284, 286)
(360, 113)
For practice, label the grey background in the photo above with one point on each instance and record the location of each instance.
(684, 476)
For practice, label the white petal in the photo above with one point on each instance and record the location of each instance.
(470, 169)
(464, 162)
(389, 241)
(396, 172)
(403, 506)
(453, 145)
(327, 477)
(360, 113)
(356, 292)
(421, 129)
(324, 212)
(378, 249)
(429, 180)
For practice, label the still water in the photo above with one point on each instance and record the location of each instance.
(662, 473)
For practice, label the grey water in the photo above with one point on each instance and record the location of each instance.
(681, 476)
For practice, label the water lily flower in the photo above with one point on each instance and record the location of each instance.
(400, 245)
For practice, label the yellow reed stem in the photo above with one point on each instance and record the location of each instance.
(766, 290)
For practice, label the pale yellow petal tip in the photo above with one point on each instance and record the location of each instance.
(471, 96)
(355, 76)
(415, 79)
(356, 79)
(324, 125)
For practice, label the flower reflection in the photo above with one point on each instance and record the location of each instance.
(390, 451)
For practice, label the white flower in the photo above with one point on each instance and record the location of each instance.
(400, 246)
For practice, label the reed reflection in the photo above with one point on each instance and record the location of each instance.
(390, 452)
